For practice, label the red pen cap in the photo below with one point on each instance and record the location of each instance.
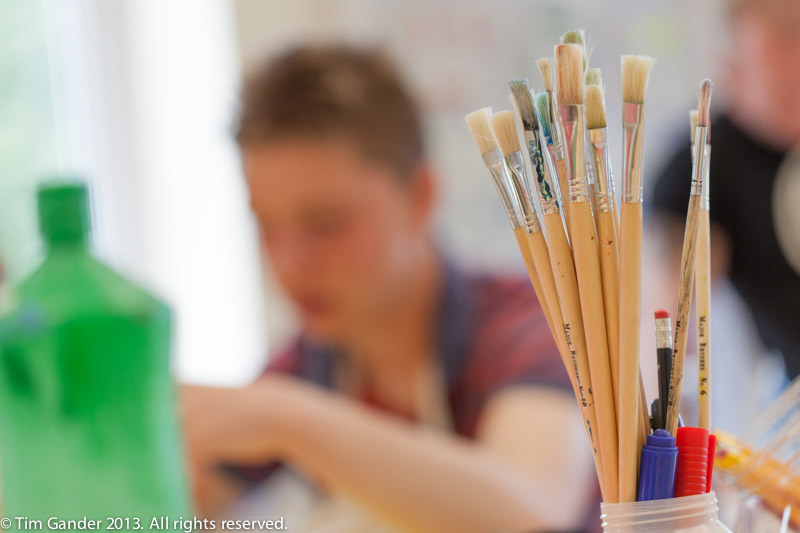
(712, 451)
(691, 474)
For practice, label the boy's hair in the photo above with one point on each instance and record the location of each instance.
(334, 91)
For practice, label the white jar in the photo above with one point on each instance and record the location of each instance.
(695, 514)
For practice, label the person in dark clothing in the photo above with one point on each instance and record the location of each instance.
(750, 143)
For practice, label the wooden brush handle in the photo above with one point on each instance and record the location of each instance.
(590, 285)
(644, 416)
(530, 267)
(630, 303)
(609, 267)
(541, 258)
(569, 298)
(688, 258)
(702, 287)
(561, 170)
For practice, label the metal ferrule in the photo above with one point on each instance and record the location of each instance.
(704, 203)
(550, 152)
(515, 162)
(632, 142)
(574, 144)
(502, 182)
(699, 166)
(544, 172)
(663, 333)
(558, 134)
(604, 181)
(590, 175)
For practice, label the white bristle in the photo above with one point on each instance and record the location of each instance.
(545, 65)
(504, 127)
(635, 73)
(478, 123)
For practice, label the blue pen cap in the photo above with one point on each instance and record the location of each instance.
(657, 471)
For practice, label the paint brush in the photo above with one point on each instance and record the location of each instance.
(481, 130)
(570, 94)
(597, 132)
(523, 105)
(555, 140)
(635, 73)
(688, 257)
(594, 78)
(578, 36)
(566, 283)
(504, 126)
(702, 287)
(607, 227)
(515, 202)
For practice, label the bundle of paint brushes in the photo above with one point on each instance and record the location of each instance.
(583, 255)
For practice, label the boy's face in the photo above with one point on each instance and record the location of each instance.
(339, 230)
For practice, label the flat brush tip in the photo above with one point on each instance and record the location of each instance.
(545, 65)
(521, 99)
(595, 108)
(692, 123)
(593, 77)
(504, 127)
(635, 73)
(569, 70)
(574, 37)
(478, 124)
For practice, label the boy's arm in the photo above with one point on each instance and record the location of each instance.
(529, 470)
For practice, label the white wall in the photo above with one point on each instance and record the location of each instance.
(146, 92)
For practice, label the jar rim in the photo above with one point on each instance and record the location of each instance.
(653, 511)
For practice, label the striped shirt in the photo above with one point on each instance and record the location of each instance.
(492, 334)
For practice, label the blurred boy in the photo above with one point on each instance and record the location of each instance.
(433, 398)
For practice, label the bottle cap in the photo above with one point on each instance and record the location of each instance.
(63, 212)
(658, 464)
(692, 473)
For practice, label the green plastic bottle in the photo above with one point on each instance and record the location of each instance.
(88, 423)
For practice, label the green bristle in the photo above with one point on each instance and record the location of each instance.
(574, 37)
(593, 77)
(543, 114)
(578, 37)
